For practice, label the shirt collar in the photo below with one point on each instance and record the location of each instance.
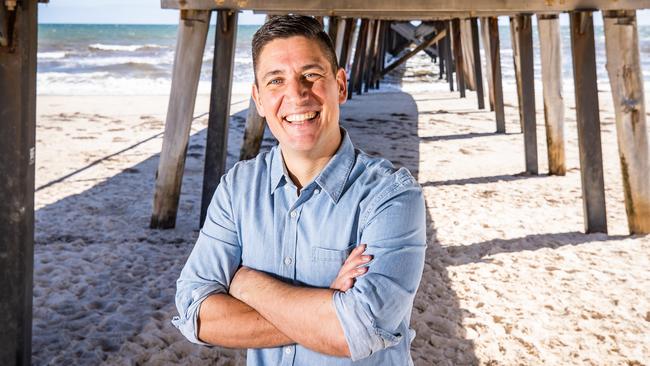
(331, 179)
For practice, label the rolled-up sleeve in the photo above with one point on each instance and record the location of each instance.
(211, 265)
(372, 311)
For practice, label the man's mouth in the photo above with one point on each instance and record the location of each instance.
(300, 118)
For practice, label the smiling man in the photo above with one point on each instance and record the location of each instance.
(311, 254)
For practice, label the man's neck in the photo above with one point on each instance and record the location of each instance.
(303, 168)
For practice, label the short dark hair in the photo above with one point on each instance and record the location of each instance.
(285, 26)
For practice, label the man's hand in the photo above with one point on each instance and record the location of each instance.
(351, 269)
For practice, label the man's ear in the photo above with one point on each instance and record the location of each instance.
(342, 81)
(256, 99)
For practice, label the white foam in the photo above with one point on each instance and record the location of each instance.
(50, 55)
(116, 47)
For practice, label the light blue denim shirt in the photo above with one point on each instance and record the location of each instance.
(257, 219)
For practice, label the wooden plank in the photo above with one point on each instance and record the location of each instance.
(485, 37)
(415, 8)
(449, 55)
(626, 79)
(458, 56)
(17, 153)
(379, 49)
(253, 133)
(363, 51)
(588, 121)
(340, 38)
(495, 64)
(216, 148)
(551, 55)
(478, 75)
(524, 37)
(192, 33)
(417, 49)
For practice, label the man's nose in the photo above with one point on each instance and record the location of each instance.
(297, 90)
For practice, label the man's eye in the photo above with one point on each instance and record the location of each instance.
(311, 76)
(275, 81)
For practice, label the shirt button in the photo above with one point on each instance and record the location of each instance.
(287, 350)
(288, 261)
(293, 214)
(317, 191)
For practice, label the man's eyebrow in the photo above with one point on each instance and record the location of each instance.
(272, 73)
(313, 66)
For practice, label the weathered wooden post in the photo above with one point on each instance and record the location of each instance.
(346, 46)
(362, 55)
(458, 56)
(588, 120)
(333, 28)
(192, 33)
(523, 30)
(368, 65)
(626, 79)
(514, 44)
(355, 72)
(467, 52)
(216, 148)
(340, 36)
(17, 156)
(253, 133)
(485, 37)
(495, 71)
(478, 76)
(448, 55)
(548, 26)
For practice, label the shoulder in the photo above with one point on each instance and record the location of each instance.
(246, 171)
(390, 185)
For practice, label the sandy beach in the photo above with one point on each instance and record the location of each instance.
(509, 277)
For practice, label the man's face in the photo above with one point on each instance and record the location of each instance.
(299, 95)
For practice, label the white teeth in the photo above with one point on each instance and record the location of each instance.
(300, 117)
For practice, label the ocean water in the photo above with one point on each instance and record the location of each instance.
(93, 59)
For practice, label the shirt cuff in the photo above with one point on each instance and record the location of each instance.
(361, 333)
(188, 324)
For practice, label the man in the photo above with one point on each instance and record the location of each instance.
(269, 270)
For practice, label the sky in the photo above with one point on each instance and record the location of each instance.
(149, 12)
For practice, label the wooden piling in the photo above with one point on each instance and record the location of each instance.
(551, 55)
(333, 28)
(340, 37)
(515, 56)
(458, 56)
(253, 133)
(523, 30)
(363, 50)
(588, 121)
(467, 52)
(346, 47)
(478, 76)
(355, 72)
(192, 33)
(368, 65)
(17, 157)
(495, 66)
(216, 148)
(626, 80)
(449, 56)
(485, 37)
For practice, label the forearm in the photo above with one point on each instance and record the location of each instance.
(304, 314)
(228, 322)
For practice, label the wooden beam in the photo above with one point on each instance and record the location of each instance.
(190, 43)
(340, 36)
(414, 8)
(17, 153)
(495, 65)
(626, 80)
(417, 49)
(379, 49)
(216, 148)
(333, 28)
(588, 121)
(523, 30)
(458, 56)
(485, 37)
(468, 54)
(478, 76)
(551, 55)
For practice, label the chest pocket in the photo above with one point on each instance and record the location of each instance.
(326, 263)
